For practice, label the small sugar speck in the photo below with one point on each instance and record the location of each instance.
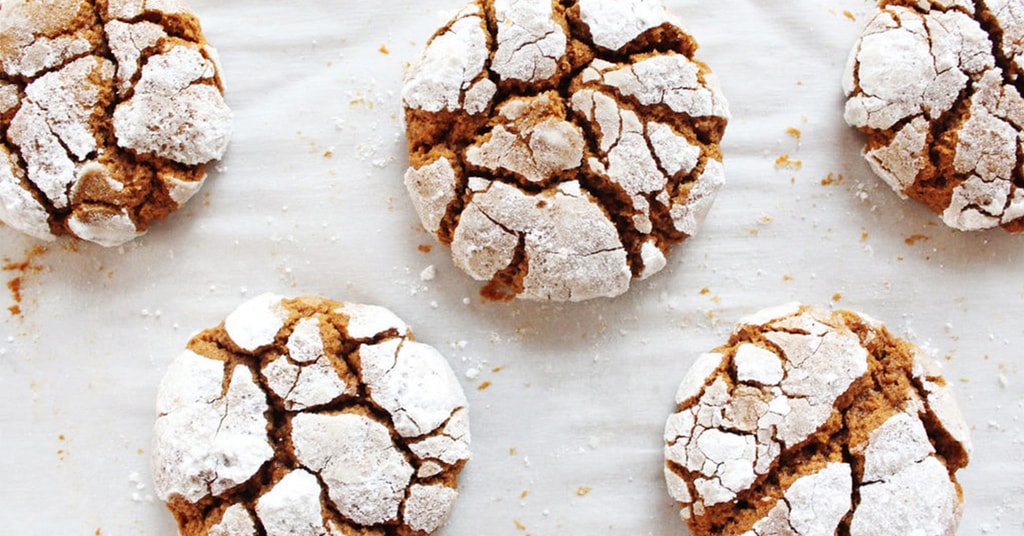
(428, 273)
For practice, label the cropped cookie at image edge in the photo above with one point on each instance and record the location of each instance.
(309, 416)
(561, 149)
(936, 88)
(810, 422)
(109, 112)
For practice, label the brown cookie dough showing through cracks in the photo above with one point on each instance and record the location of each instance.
(810, 422)
(936, 86)
(109, 111)
(309, 417)
(562, 148)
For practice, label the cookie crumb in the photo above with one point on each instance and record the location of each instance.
(384, 50)
(484, 386)
(913, 240)
(785, 162)
(849, 15)
(583, 491)
(831, 179)
(23, 268)
(795, 132)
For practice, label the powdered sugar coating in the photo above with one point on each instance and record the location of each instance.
(235, 522)
(906, 488)
(515, 135)
(530, 43)
(570, 261)
(292, 506)
(171, 115)
(614, 24)
(325, 401)
(207, 441)
(434, 189)
(364, 473)
(813, 505)
(939, 80)
(64, 66)
(450, 65)
(801, 386)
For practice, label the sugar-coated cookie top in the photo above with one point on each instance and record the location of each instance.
(935, 87)
(69, 164)
(290, 401)
(815, 422)
(561, 149)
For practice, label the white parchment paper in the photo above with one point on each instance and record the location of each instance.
(567, 437)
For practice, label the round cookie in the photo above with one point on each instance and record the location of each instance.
(810, 422)
(935, 86)
(308, 416)
(562, 148)
(109, 111)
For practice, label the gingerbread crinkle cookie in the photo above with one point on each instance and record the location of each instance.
(810, 422)
(935, 86)
(109, 111)
(309, 416)
(561, 149)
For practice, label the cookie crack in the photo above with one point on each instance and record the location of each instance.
(990, 24)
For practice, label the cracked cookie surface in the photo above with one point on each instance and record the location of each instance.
(810, 422)
(308, 416)
(562, 148)
(109, 111)
(936, 87)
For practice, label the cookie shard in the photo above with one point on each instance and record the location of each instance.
(413, 383)
(292, 506)
(453, 60)
(814, 504)
(256, 323)
(25, 49)
(513, 94)
(432, 189)
(309, 416)
(236, 521)
(125, 90)
(811, 422)
(933, 88)
(18, 207)
(193, 123)
(356, 459)
(905, 487)
(613, 25)
(207, 440)
(428, 506)
(529, 43)
(369, 321)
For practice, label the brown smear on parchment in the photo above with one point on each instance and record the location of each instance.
(21, 270)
